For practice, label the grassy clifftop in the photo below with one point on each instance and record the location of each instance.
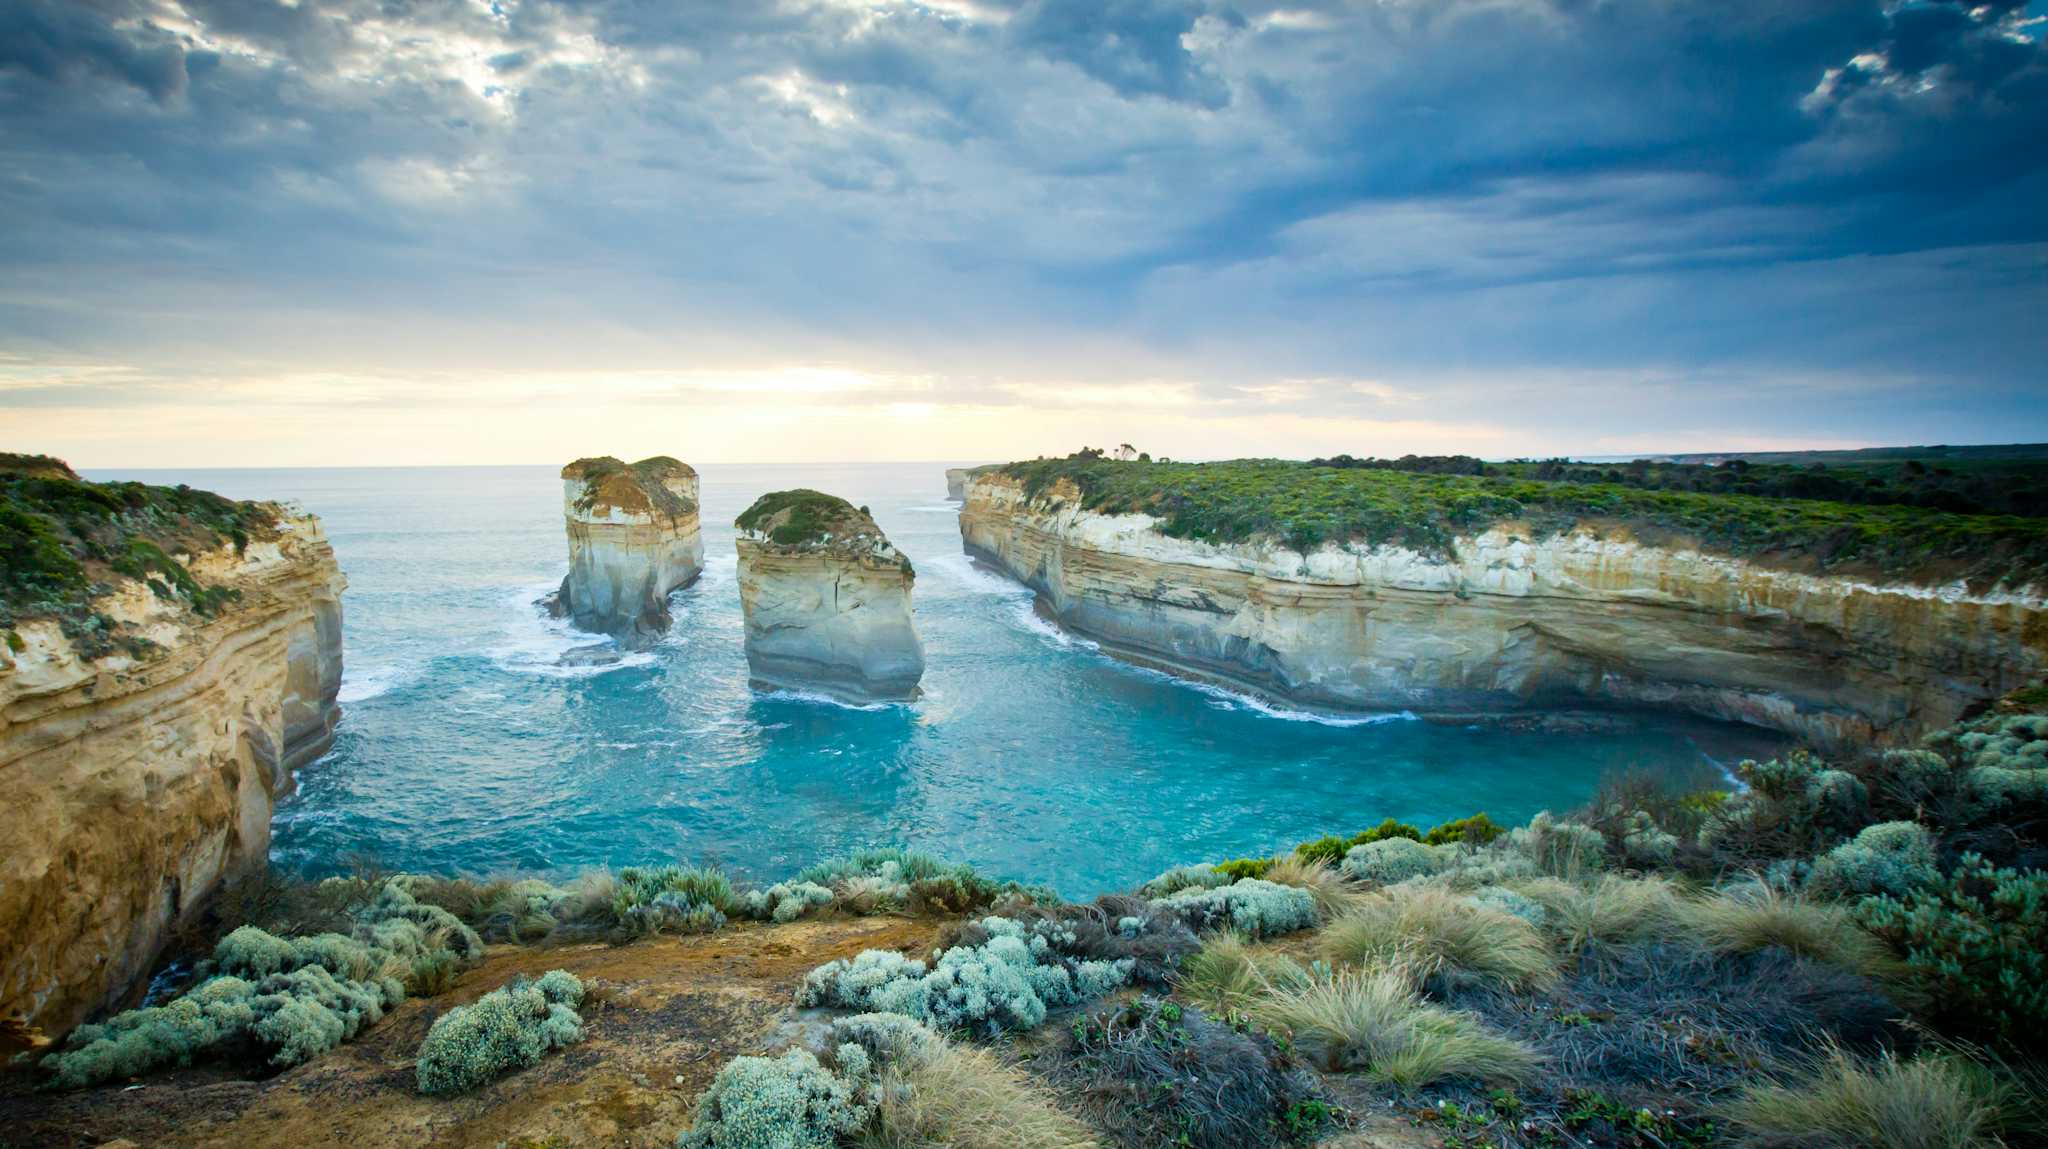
(803, 517)
(1308, 504)
(637, 488)
(64, 540)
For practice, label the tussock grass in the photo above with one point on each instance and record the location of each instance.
(1335, 894)
(1229, 975)
(964, 1097)
(1612, 911)
(1377, 1021)
(1934, 1101)
(1756, 918)
(1447, 939)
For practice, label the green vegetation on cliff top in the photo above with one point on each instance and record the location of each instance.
(1305, 505)
(63, 540)
(803, 517)
(636, 488)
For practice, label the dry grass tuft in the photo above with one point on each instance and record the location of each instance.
(1335, 894)
(1612, 911)
(964, 1097)
(1931, 1102)
(1756, 918)
(1228, 975)
(1377, 1021)
(1446, 938)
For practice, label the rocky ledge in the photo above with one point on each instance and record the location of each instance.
(633, 538)
(1512, 617)
(827, 599)
(171, 658)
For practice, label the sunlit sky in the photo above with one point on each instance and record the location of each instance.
(338, 232)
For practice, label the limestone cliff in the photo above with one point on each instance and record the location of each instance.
(827, 599)
(633, 538)
(1515, 619)
(141, 773)
(956, 483)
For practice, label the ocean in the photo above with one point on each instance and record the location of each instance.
(466, 748)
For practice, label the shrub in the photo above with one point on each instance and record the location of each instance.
(963, 1097)
(1747, 919)
(1445, 939)
(1159, 1073)
(1979, 942)
(666, 899)
(1228, 975)
(789, 1102)
(1005, 982)
(284, 999)
(510, 1028)
(1794, 807)
(1377, 1021)
(1929, 1102)
(1331, 848)
(1562, 848)
(1197, 877)
(1239, 868)
(1644, 843)
(888, 1038)
(1509, 901)
(785, 901)
(1254, 906)
(1888, 858)
(1392, 860)
(1476, 830)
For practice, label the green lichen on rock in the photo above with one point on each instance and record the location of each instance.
(807, 518)
(65, 541)
(635, 488)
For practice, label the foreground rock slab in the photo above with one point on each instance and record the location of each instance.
(827, 600)
(633, 538)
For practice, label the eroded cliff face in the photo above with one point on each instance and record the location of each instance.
(1515, 621)
(830, 615)
(956, 483)
(633, 537)
(135, 786)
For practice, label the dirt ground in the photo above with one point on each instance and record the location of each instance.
(666, 1014)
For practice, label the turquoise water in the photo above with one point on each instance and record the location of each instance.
(464, 747)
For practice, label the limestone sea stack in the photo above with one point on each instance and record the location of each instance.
(168, 658)
(827, 599)
(956, 483)
(633, 538)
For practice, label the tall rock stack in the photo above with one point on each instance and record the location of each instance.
(827, 600)
(633, 538)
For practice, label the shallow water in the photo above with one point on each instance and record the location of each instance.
(464, 747)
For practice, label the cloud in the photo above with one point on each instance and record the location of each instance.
(1049, 201)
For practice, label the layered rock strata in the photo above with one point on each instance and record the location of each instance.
(956, 483)
(827, 600)
(1517, 620)
(137, 783)
(633, 538)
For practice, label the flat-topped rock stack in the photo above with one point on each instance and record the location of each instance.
(827, 599)
(633, 538)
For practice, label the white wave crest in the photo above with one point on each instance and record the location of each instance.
(532, 642)
(362, 683)
(1022, 600)
(784, 694)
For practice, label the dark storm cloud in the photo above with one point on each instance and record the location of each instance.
(1373, 169)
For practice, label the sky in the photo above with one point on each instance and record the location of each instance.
(372, 232)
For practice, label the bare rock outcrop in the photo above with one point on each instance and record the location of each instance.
(151, 715)
(827, 600)
(633, 538)
(1515, 619)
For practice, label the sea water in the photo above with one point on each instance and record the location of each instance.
(466, 747)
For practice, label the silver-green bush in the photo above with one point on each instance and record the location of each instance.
(1251, 906)
(511, 1027)
(788, 1102)
(1393, 860)
(1888, 858)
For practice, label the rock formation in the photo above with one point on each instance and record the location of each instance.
(141, 769)
(1518, 620)
(827, 599)
(633, 538)
(956, 483)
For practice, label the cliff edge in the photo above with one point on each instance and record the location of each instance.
(1505, 612)
(633, 538)
(827, 599)
(171, 658)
